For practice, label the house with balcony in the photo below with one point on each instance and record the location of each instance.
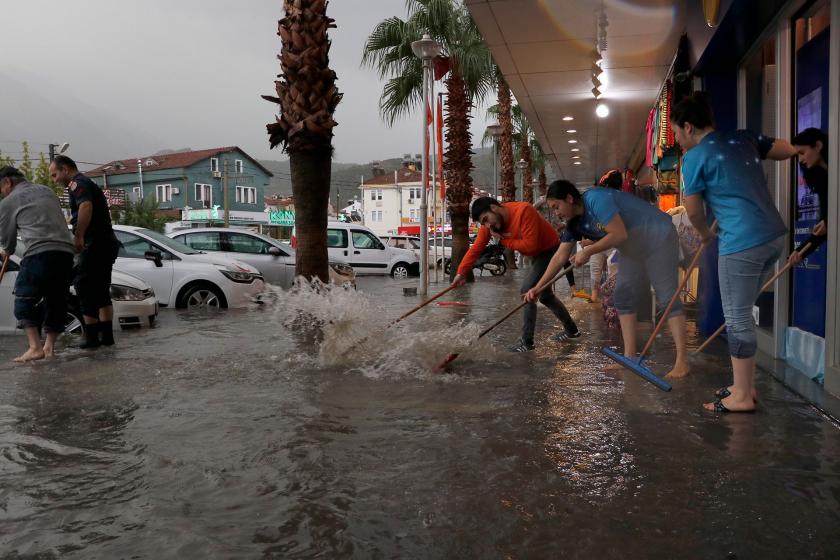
(192, 184)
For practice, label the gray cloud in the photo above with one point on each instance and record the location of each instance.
(120, 79)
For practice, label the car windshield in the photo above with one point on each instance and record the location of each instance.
(169, 243)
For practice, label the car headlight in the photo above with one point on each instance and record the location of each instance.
(239, 276)
(342, 269)
(127, 293)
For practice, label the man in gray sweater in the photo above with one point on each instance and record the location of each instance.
(33, 212)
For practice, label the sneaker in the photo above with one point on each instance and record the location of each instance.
(565, 335)
(522, 346)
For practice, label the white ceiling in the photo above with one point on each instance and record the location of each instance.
(543, 48)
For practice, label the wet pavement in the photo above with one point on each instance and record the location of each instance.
(232, 435)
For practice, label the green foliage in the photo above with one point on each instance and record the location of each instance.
(42, 175)
(25, 166)
(143, 213)
(6, 161)
(388, 50)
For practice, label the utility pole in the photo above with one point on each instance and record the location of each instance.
(225, 193)
(140, 172)
(52, 152)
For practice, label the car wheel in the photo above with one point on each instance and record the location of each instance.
(73, 324)
(202, 296)
(400, 271)
(447, 268)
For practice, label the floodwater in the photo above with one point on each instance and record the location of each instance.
(234, 435)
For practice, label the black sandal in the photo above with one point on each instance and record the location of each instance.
(720, 408)
(722, 393)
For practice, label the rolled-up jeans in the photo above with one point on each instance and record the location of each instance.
(41, 289)
(741, 276)
(537, 268)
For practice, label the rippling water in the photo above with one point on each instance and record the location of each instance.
(244, 435)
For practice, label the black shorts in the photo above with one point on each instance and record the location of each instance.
(93, 278)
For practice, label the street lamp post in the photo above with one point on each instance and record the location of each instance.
(522, 164)
(426, 49)
(61, 148)
(495, 130)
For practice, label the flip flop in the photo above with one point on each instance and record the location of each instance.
(720, 408)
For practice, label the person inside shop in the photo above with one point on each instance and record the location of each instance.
(812, 147)
(723, 171)
(518, 226)
(647, 242)
(612, 179)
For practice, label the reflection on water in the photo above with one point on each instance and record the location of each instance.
(239, 435)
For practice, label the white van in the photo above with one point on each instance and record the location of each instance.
(359, 247)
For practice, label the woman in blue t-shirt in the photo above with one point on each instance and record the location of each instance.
(649, 248)
(723, 170)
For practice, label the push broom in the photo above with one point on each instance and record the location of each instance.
(451, 357)
(4, 267)
(636, 365)
(764, 287)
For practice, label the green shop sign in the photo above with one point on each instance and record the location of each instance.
(204, 215)
(282, 218)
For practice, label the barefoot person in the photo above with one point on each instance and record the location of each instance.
(97, 246)
(519, 227)
(723, 170)
(647, 242)
(33, 212)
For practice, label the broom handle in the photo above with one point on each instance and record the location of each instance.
(764, 287)
(664, 318)
(422, 305)
(4, 267)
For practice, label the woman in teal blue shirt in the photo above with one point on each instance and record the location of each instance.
(723, 170)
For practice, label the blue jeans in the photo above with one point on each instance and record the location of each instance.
(741, 276)
(41, 289)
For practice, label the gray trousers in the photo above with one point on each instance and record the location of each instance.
(539, 264)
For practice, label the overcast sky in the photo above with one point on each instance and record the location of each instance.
(163, 74)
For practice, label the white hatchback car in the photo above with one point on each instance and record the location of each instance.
(273, 258)
(135, 304)
(183, 277)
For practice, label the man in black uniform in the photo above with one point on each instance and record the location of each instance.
(97, 247)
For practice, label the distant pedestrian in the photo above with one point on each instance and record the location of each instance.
(97, 247)
(33, 212)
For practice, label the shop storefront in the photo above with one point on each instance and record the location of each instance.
(275, 223)
(773, 67)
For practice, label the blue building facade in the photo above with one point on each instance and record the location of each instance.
(191, 180)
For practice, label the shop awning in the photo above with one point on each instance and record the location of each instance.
(544, 47)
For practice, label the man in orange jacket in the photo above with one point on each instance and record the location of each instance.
(518, 226)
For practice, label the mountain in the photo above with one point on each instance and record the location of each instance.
(346, 177)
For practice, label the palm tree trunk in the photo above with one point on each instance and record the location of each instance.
(458, 166)
(508, 184)
(310, 171)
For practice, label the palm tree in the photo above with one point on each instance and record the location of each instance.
(539, 160)
(470, 78)
(508, 183)
(307, 96)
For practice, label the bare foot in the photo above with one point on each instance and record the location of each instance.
(30, 356)
(49, 352)
(679, 371)
(734, 404)
(754, 392)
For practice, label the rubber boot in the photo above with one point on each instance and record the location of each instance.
(106, 333)
(91, 337)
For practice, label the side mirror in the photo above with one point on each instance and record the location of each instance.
(275, 252)
(154, 256)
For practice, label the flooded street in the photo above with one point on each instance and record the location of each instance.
(233, 436)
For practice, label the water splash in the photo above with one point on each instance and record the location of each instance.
(350, 331)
